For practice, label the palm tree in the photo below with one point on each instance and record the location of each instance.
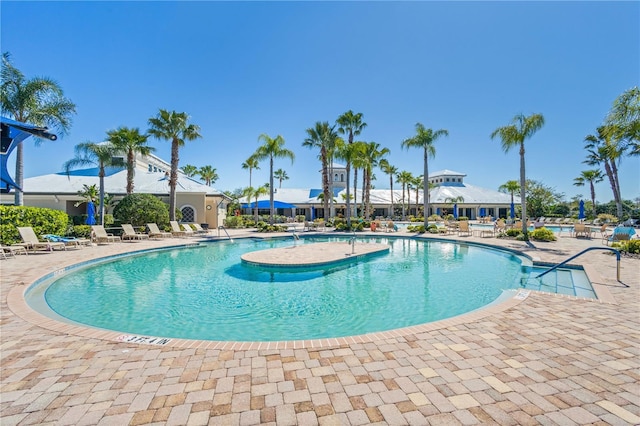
(272, 148)
(511, 187)
(39, 101)
(624, 118)
(424, 139)
(605, 149)
(95, 154)
(189, 170)
(173, 126)
(453, 201)
(372, 156)
(256, 193)
(131, 142)
(358, 161)
(593, 177)
(280, 175)
(404, 178)
(352, 125)
(320, 137)
(208, 174)
(252, 164)
(387, 168)
(514, 135)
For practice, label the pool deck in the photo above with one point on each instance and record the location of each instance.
(543, 359)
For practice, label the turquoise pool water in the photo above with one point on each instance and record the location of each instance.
(206, 292)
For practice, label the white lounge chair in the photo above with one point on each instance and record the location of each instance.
(176, 231)
(30, 241)
(155, 232)
(199, 229)
(12, 251)
(131, 234)
(101, 235)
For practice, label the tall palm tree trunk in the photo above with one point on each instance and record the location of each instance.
(18, 197)
(523, 193)
(271, 203)
(173, 178)
(425, 198)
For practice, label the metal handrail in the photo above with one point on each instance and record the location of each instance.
(582, 252)
(225, 231)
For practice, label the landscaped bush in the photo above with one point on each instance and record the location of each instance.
(265, 227)
(511, 233)
(542, 234)
(630, 247)
(433, 229)
(42, 220)
(234, 222)
(300, 218)
(140, 209)
(416, 228)
(435, 218)
(80, 231)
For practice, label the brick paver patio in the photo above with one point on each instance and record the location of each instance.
(548, 359)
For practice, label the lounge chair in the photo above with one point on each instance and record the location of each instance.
(30, 241)
(199, 229)
(464, 228)
(12, 251)
(391, 227)
(176, 231)
(188, 230)
(101, 235)
(620, 233)
(155, 232)
(131, 234)
(68, 241)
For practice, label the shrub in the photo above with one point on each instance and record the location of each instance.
(542, 234)
(631, 246)
(42, 220)
(235, 222)
(79, 231)
(416, 228)
(265, 227)
(140, 209)
(433, 229)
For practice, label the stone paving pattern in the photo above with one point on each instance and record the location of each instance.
(547, 360)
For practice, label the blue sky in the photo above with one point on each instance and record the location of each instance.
(240, 69)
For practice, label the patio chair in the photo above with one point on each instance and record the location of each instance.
(176, 230)
(464, 228)
(391, 227)
(12, 251)
(30, 241)
(581, 230)
(101, 235)
(188, 230)
(130, 234)
(620, 233)
(199, 229)
(155, 232)
(68, 241)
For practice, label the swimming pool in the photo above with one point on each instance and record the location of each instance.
(206, 293)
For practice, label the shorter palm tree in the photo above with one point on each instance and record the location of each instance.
(208, 174)
(593, 177)
(189, 170)
(271, 149)
(130, 142)
(251, 164)
(96, 154)
(280, 175)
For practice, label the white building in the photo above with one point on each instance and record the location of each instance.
(198, 202)
(472, 201)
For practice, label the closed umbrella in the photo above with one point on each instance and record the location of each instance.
(455, 210)
(91, 214)
(513, 211)
(581, 212)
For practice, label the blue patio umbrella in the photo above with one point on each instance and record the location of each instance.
(483, 212)
(91, 214)
(455, 210)
(313, 213)
(513, 211)
(581, 212)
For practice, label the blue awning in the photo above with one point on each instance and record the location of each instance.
(264, 204)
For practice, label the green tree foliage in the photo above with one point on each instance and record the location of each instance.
(39, 101)
(189, 170)
(140, 209)
(42, 220)
(350, 124)
(540, 198)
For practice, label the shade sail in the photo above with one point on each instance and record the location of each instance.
(264, 204)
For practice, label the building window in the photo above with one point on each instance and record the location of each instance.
(341, 177)
(188, 214)
(447, 179)
(150, 168)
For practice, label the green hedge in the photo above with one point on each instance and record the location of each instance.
(42, 220)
